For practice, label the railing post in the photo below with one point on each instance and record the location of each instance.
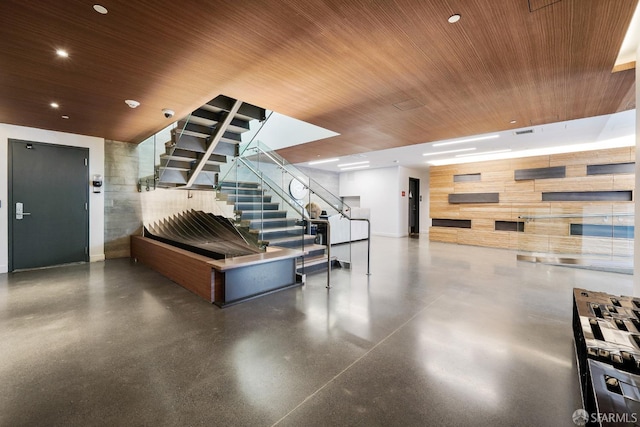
(325, 221)
(368, 241)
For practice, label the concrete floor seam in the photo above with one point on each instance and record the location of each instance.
(306, 399)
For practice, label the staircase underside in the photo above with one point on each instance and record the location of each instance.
(201, 142)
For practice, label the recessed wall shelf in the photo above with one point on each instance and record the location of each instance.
(539, 173)
(509, 226)
(474, 198)
(467, 177)
(588, 196)
(611, 168)
(455, 223)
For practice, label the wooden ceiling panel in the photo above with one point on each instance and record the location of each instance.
(381, 73)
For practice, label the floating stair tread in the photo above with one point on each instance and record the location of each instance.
(278, 229)
(228, 137)
(239, 184)
(268, 213)
(275, 242)
(236, 125)
(179, 158)
(267, 220)
(314, 260)
(314, 247)
(224, 103)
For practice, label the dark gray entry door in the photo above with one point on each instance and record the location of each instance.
(50, 183)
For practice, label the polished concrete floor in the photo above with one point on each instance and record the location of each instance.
(438, 335)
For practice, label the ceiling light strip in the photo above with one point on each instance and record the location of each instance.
(319, 162)
(354, 167)
(460, 141)
(483, 153)
(448, 151)
(625, 141)
(353, 164)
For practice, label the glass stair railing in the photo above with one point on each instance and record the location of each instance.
(593, 237)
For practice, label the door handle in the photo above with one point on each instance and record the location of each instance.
(20, 213)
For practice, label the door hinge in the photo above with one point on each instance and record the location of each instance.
(86, 207)
(86, 162)
(86, 250)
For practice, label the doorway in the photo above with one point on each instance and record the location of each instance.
(49, 204)
(414, 207)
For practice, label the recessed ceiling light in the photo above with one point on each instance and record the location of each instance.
(62, 53)
(65, 117)
(54, 105)
(513, 122)
(100, 9)
(132, 103)
(454, 18)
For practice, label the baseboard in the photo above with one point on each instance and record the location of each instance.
(96, 258)
(4, 268)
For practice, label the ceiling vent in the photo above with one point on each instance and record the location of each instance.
(523, 132)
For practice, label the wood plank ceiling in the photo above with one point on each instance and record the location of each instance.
(382, 73)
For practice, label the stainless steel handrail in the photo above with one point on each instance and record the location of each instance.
(575, 216)
(326, 221)
(368, 241)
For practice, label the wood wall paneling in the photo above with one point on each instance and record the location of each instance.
(612, 155)
(524, 198)
(487, 238)
(486, 211)
(578, 184)
(624, 182)
(478, 187)
(521, 197)
(528, 163)
(574, 171)
(188, 269)
(484, 224)
(443, 234)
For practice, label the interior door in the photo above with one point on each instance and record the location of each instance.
(48, 196)
(414, 206)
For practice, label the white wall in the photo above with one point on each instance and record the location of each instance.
(96, 200)
(381, 191)
(282, 131)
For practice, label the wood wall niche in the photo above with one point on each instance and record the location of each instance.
(524, 197)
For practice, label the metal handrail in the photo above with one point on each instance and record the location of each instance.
(368, 241)
(326, 221)
(574, 216)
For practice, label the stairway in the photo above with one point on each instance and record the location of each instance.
(262, 217)
(199, 145)
(210, 132)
